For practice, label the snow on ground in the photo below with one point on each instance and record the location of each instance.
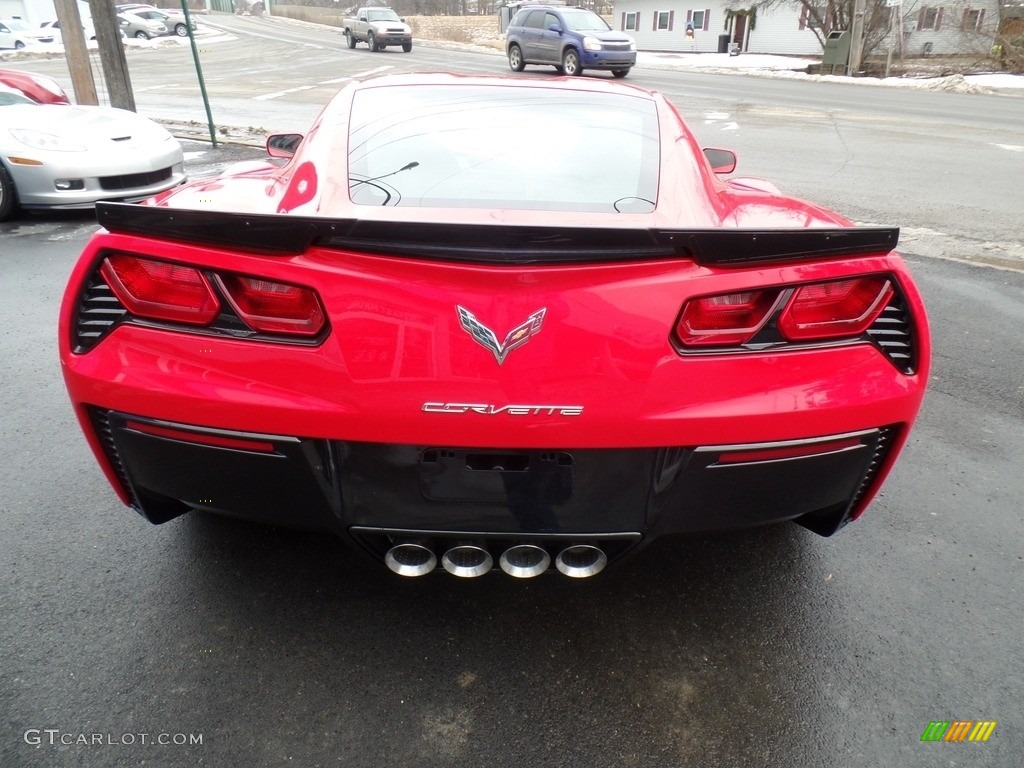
(795, 68)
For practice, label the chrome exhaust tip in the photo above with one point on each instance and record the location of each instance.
(580, 561)
(524, 561)
(410, 558)
(467, 560)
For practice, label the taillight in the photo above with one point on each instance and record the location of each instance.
(726, 319)
(272, 307)
(161, 291)
(834, 309)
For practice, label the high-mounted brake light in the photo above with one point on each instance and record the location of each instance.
(834, 309)
(160, 291)
(272, 307)
(727, 319)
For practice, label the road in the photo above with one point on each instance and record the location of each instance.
(764, 648)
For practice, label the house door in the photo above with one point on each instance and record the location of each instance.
(739, 31)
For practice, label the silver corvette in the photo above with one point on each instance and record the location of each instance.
(59, 156)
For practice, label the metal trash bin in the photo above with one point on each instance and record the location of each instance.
(734, 49)
(837, 51)
(723, 43)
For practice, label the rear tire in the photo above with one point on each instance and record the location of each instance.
(620, 72)
(515, 59)
(571, 63)
(372, 42)
(8, 195)
(350, 39)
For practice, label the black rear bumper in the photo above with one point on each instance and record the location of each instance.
(360, 489)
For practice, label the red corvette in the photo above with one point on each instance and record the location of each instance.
(480, 322)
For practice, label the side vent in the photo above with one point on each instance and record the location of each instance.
(97, 314)
(893, 335)
(101, 423)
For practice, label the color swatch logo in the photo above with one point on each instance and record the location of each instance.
(958, 730)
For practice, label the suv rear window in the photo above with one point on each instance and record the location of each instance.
(467, 146)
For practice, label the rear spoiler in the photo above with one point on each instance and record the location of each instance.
(282, 235)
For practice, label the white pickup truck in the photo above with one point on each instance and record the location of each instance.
(378, 28)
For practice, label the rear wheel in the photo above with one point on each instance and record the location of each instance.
(406, 47)
(372, 42)
(18, 44)
(8, 195)
(515, 59)
(620, 72)
(350, 39)
(571, 63)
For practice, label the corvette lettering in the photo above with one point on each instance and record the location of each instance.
(488, 409)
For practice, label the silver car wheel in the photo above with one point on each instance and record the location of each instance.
(571, 63)
(515, 59)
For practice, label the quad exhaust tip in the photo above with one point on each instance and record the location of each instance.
(410, 559)
(467, 561)
(470, 560)
(524, 561)
(581, 561)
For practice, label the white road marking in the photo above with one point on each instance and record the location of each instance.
(267, 96)
(1011, 147)
(335, 81)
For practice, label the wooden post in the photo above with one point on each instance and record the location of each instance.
(75, 51)
(115, 65)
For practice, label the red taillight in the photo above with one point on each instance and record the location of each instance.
(727, 319)
(272, 307)
(834, 309)
(161, 291)
(800, 450)
(202, 438)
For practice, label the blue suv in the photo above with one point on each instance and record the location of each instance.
(569, 39)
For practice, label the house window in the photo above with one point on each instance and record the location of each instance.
(698, 19)
(663, 20)
(973, 19)
(929, 17)
(631, 21)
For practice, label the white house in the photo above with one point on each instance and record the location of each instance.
(959, 26)
(35, 12)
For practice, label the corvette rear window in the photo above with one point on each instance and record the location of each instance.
(464, 146)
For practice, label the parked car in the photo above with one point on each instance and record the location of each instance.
(16, 33)
(172, 19)
(569, 39)
(133, 25)
(537, 329)
(61, 156)
(38, 88)
(53, 27)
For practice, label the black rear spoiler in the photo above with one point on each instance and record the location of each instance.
(281, 235)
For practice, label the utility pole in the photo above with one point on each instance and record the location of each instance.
(857, 37)
(115, 66)
(75, 51)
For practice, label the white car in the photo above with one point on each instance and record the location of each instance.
(63, 156)
(53, 28)
(16, 33)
